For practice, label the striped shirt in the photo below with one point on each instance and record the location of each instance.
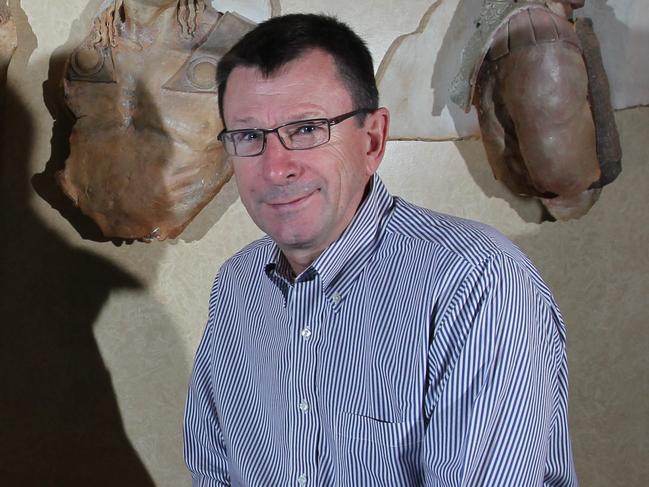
(418, 349)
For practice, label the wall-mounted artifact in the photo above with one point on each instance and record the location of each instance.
(547, 131)
(144, 158)
(416, 72)
(8, 41)
(548, 125)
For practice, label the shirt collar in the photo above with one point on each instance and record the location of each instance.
(348, 255)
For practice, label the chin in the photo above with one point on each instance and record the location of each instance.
(292, 240)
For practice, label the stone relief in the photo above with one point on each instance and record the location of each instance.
(538, 82)
(526, 72)
(144, 158)
(416, 73)
(8, 41)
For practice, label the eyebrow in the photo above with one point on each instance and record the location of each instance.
(297, 118)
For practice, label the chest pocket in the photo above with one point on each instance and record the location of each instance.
(378, 453)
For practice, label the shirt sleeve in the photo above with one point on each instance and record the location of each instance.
(204, 448)
(496, 397)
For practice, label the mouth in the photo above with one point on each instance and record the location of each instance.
(292, 202)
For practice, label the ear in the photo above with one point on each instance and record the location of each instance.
(376, 127)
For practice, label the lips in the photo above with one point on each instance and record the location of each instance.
(287, 197)
(291, 202)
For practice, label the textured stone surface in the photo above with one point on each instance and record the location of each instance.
(415, 75)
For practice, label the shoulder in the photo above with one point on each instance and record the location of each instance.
(469, 241)
(250, 259)
(241, 271)
(459, 253)
(475, 269)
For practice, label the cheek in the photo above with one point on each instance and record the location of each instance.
(346, 159)
(245, 186)
(353, 157)
(350, 171)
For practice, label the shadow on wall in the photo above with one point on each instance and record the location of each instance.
(60, 419)
(466, 11)
(622, 47)
(472, 151)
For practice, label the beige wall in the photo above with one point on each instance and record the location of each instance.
(97, 340)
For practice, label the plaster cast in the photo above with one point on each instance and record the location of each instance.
(524, 70)
(530, 85)
(144, 158)
(415, 75)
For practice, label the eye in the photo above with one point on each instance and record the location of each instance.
(309, 129)
(246, 136)
(306, 129)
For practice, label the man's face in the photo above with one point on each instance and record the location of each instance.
(303, 199)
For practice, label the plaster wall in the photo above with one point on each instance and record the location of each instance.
(97, 340)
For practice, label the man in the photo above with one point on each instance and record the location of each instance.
(364, 341)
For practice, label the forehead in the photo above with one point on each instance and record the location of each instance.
(309, 85)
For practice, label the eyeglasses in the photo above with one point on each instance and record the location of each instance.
(300, 135)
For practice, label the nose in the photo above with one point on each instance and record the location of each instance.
(279, 165)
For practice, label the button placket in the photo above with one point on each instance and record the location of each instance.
(304, 406)
(304, 416)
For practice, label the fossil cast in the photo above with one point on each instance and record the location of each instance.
(8, 41)
(144, 159)
(548, 131)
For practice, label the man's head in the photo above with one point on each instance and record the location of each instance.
(280, 40)
(303, 199)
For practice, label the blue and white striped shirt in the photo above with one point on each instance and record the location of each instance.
(417, 350)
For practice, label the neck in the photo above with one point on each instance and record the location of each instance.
(299, 260)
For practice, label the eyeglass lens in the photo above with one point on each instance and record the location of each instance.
(294, 136)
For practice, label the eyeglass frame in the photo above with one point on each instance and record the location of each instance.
(330, 123)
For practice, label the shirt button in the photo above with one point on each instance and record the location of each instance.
(306, 332)
(302, 479)
(336, 298)
(304, 406)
